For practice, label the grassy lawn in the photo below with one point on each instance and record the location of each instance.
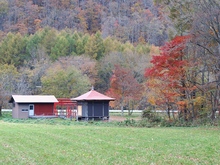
(29, 143)
(118, 117)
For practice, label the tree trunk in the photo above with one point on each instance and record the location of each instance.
(0, 110)
(214, 104)
(131, 108)
(173, 113)
(193, 111)
(168, 111)
(213, 113)
(122, 110)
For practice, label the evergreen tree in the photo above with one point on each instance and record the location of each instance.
(33, 44)
(13, 50)
(99, 45)
(95, 46)
(72, 44)
(80, 44)
(60, 48)
(49, 38)
(91, 47)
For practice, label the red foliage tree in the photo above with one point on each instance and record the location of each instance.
(169, 68)
(124, 88)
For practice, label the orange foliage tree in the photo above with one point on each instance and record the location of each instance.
(167, 75)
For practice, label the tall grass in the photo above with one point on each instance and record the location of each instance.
(25, 143)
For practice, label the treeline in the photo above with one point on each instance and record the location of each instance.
(185, 75)
(66, 63)
(134, 21)
(17, 49)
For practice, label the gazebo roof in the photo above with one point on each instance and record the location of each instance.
(92, 95)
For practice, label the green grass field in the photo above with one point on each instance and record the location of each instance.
(30, 144)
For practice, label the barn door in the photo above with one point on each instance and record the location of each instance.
(31, 109)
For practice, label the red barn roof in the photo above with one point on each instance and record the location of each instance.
(92, 95)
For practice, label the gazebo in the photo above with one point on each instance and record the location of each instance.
(93, 105)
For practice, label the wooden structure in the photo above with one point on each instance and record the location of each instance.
(93, 105)
(65, 108)
(25, 106)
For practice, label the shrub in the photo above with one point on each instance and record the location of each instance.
(151, 116)
(144, 123)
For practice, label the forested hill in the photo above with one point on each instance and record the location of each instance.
(164, 54)
(67, 46)
(126, 20)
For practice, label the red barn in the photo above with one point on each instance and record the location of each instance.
(25, 106)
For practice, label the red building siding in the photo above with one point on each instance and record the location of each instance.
(43, 109)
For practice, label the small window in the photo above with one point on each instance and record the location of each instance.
(31, 107)
(24, 110)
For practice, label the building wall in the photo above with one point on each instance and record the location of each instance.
(106, 107)
(43, 109)
(21, 111)
(15, 110)
(84, 109)
(98, 108)
(94, 109)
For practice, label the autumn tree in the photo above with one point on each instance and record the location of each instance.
(181, 14)
(21, 17)
(200, 20)
(206, 45)
(128, 59)
(134, 21)
(93, 16)
(125, 88)
(3, 12)
(168, 73)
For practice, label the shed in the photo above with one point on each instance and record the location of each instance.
(93, 105)
(25, 106)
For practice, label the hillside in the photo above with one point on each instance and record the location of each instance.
(126, 20)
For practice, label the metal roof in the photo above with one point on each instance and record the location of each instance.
(33, 99)
(92, 95)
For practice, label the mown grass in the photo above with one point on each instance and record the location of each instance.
(133, 115)
(29, 143)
